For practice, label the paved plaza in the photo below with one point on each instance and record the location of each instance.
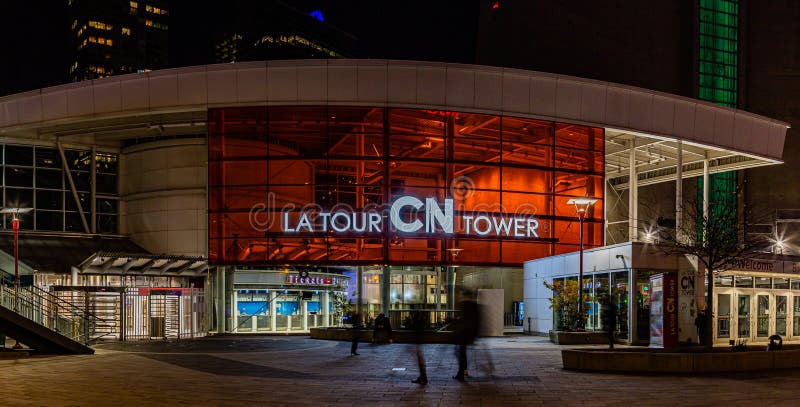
(257, 371)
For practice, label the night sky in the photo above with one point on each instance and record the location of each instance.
(35, 45)
(36, 49)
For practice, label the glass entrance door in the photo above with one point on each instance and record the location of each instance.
(781, 308)
(762, 322)
(743, 320)
(724, 318)
(796, 316)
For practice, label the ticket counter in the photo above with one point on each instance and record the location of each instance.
(278, 301)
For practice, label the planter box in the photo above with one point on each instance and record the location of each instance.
(696, 362)
(578, 338)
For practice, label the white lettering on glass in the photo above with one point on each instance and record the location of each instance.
(434, 213)
(435, 220)
(397, 220)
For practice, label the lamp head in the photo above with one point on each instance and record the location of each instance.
(15, 211)
(582, 205)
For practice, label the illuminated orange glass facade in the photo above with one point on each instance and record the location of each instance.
(268, 166)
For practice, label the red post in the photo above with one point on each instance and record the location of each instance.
(581, 322)
(15, 223)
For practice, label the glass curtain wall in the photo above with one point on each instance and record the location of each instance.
(34, 177)
(613, 285)
(267, 163)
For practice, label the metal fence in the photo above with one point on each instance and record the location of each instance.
(134, 314)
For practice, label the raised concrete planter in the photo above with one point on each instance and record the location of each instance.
(578, 338)
(658, 361)
(14, 354)
(365, 335)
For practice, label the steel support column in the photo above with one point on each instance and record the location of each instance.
(679, 193)
(220, 300)
(360, 292)
(273, 310)
(705, 189)
(451, 288)
(633, 195)
(386, 284)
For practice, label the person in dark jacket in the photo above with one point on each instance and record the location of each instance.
(418, 325)
(466, 330)
(700, 323)
(356, 329)
(382, 332)
(609, 319)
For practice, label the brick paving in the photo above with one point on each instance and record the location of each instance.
(295, 371)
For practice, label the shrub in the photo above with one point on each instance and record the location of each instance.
(564, 304)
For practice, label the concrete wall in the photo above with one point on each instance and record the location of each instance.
(508, 279)
(491, 303)
(620, 257)
(163, 187)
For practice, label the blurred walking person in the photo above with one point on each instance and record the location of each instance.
(418, 326)
(609, 319)
(467, 328)
(356, 329)
(382, 332)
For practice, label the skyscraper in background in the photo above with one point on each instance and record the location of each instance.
(718, 61)
(735, 53)
(116, 37)
(272, 29)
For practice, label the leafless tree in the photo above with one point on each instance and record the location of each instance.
(718, 240)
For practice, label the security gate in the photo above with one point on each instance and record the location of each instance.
(140, 313)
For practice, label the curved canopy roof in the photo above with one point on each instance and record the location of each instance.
(175, 102)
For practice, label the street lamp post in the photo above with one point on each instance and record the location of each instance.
(15, 224)
(582, 206)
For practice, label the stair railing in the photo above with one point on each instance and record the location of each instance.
(50, 311)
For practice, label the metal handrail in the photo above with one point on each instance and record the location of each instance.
(50, 311)
(54, 298)
(72, 326)
(8, 279)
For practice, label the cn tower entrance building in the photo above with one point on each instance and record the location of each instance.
(281, 196)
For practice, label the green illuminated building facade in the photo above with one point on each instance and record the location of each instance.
(718, 79)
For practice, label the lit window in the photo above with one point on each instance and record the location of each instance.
(134, 4)
(148, 23)
(74, 24)
(148, 8)
(92, 39)
(126, 31)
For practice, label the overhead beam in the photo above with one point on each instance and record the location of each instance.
(65, 165)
